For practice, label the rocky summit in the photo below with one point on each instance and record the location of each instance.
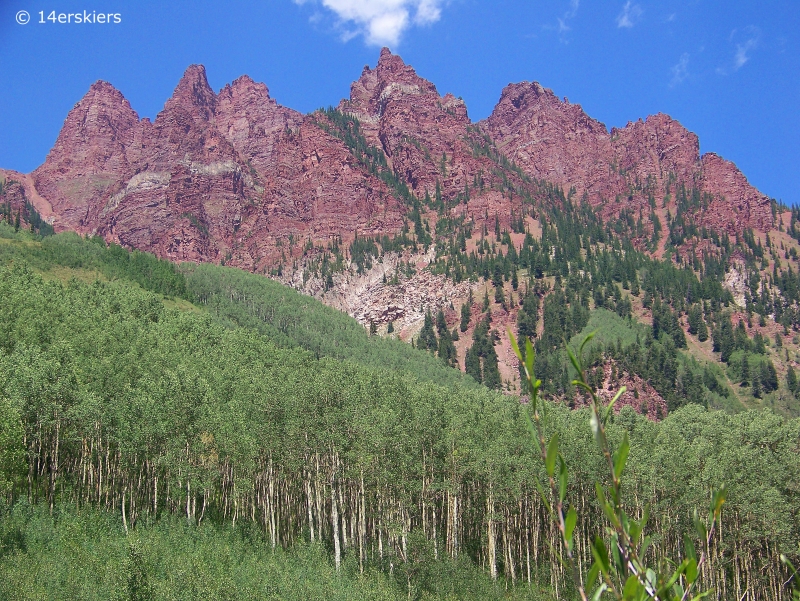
(230, 174)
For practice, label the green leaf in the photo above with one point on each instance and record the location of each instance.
(569, 523)
(700, 527)
(563, 478)
(601, 495)
(674, 578)
(616, 555)
(595, 425)
(621, 456)
(717, 499)
(631, 588)
(634, 530)
(599, 592)
(586, 340)
(601, 555)
(584, 385)
(552, 454)
(645, 545)
(691, 570)
(620, 392)
(529, 423)
(594, 572)
(514, 344)
(529, 356)
(688, 548)
(542, 495)
(575, 363)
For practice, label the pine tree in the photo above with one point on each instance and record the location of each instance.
(441, 323)
(472, 364)
(499, 297)
(491, 373)
(791, 380)
(466, 314)
(427, 335)
(528, 317)
(756, 389)
(745, 371)
(768, 376)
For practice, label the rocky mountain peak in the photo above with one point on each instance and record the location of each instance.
(96, 129)
(193, 94)
(392, 79)
(392, 69)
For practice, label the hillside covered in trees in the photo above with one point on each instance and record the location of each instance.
(153, 415)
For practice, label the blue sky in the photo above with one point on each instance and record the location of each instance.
(728, 70)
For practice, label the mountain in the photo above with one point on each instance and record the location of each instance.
(395, 206)
(558, 142)
(231, 174)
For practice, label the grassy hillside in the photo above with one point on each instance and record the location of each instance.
(232, 297)
(87, 555)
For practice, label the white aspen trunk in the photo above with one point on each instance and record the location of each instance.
(343, 505)
(337, 551)
(455, 526)
(362, 527)
(318, 496)
(510, 551)
(528, 544)
(491, 534)
(310, 505)
(124, 520)
(271, 502)
(435, 541)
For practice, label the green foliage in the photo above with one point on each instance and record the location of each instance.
(86, 555)
(625, 574)
(112, 261)
(239, 429)
(292, 320)
(12, 449)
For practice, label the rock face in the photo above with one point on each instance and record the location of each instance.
(214, 177)
(557, 141)
(229, 176)
(428, 139)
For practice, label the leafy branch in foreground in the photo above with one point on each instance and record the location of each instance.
(619, 566)
(796, 584)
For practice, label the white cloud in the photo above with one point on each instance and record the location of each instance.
(381, 22)
(751, 37)
(563, 21)
(630, 14)
(563, 26)
(680, 71)
(741, 56)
